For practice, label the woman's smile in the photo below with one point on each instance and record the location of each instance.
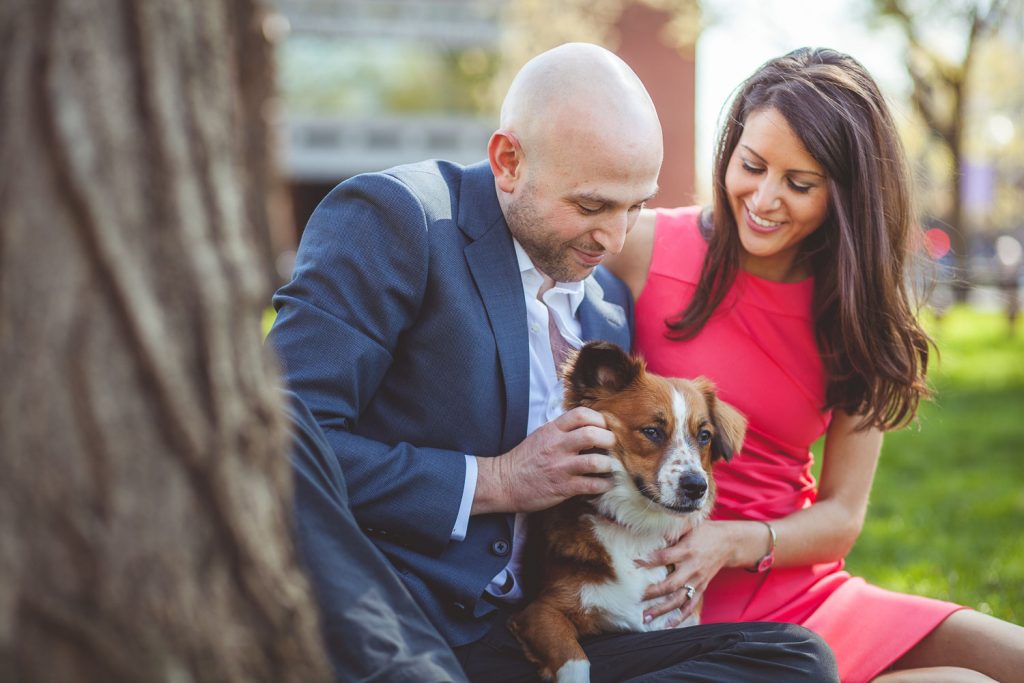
(760, 224)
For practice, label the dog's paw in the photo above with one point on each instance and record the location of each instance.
(574, 671)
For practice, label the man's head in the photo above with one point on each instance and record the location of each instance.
(577, 154)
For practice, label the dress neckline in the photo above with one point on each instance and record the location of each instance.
(788, 298)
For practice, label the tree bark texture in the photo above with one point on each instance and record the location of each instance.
(144, 481)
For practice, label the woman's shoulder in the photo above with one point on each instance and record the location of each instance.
(684, 223)
(679, 243)
(660, 236)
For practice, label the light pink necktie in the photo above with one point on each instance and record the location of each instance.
(559, 347)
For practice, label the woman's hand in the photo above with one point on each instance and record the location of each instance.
(693, 561)
(823, 532)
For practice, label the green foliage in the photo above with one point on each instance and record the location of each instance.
(364, 78)
(947, 508)
(267, 320)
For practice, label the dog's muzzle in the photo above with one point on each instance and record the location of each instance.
(692, 488)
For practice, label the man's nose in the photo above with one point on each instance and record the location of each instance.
(612, 234)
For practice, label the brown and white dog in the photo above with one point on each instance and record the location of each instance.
(581, 553)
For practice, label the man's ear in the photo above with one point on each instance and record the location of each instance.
(506, 157)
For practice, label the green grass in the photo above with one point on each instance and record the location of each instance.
(267, 320)
(947, 509)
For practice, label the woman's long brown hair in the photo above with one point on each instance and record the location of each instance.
(873, 348)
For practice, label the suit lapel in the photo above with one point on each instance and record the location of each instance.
(492, 261)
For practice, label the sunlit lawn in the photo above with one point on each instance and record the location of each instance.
(947, 509)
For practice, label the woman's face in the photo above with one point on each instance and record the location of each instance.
(778, 196)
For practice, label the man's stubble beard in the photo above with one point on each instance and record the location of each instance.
(549, 255)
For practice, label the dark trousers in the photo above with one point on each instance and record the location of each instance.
(373, 630)
(763, 652)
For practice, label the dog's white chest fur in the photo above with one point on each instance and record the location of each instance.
(619, 602)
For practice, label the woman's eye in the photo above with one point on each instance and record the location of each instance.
(751, 169)
(704, 437)
(797, 187)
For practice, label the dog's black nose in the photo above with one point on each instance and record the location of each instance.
(693, 486)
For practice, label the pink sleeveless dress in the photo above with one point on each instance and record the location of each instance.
(759, 349)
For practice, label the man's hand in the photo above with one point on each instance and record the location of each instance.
(548, 466)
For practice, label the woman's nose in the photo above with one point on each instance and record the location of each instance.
(767, 197)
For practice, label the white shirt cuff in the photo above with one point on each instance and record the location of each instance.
(468, 491)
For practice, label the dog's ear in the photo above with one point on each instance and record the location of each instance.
(598, 370)
(730, 425)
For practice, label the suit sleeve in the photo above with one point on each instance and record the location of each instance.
(359, 282)
(372, 627)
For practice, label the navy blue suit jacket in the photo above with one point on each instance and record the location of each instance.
(404, 331)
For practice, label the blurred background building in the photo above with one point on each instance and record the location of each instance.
(368, 84)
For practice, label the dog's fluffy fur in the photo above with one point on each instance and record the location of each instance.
(580, 554)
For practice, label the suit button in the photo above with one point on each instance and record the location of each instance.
(459, 606)
(500, 547)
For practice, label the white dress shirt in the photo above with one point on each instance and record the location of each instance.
(562, 300)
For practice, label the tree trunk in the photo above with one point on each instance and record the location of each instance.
(144, 481)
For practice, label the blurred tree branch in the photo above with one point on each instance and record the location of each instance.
(940, 88)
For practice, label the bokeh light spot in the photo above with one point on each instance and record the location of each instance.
(937, 243)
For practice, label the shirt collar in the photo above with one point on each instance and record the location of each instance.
(532, 280)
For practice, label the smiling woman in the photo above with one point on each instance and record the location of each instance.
(789, 293)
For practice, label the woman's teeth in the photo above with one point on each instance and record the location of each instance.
(761, 221)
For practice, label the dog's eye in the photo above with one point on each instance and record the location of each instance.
(704, 437)
(655, 435)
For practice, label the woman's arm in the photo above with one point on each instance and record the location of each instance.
(823, 532)
(827, 530)
(632, 263)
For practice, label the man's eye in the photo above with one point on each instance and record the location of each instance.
(588, 209)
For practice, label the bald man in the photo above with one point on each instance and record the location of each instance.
(421, 327)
